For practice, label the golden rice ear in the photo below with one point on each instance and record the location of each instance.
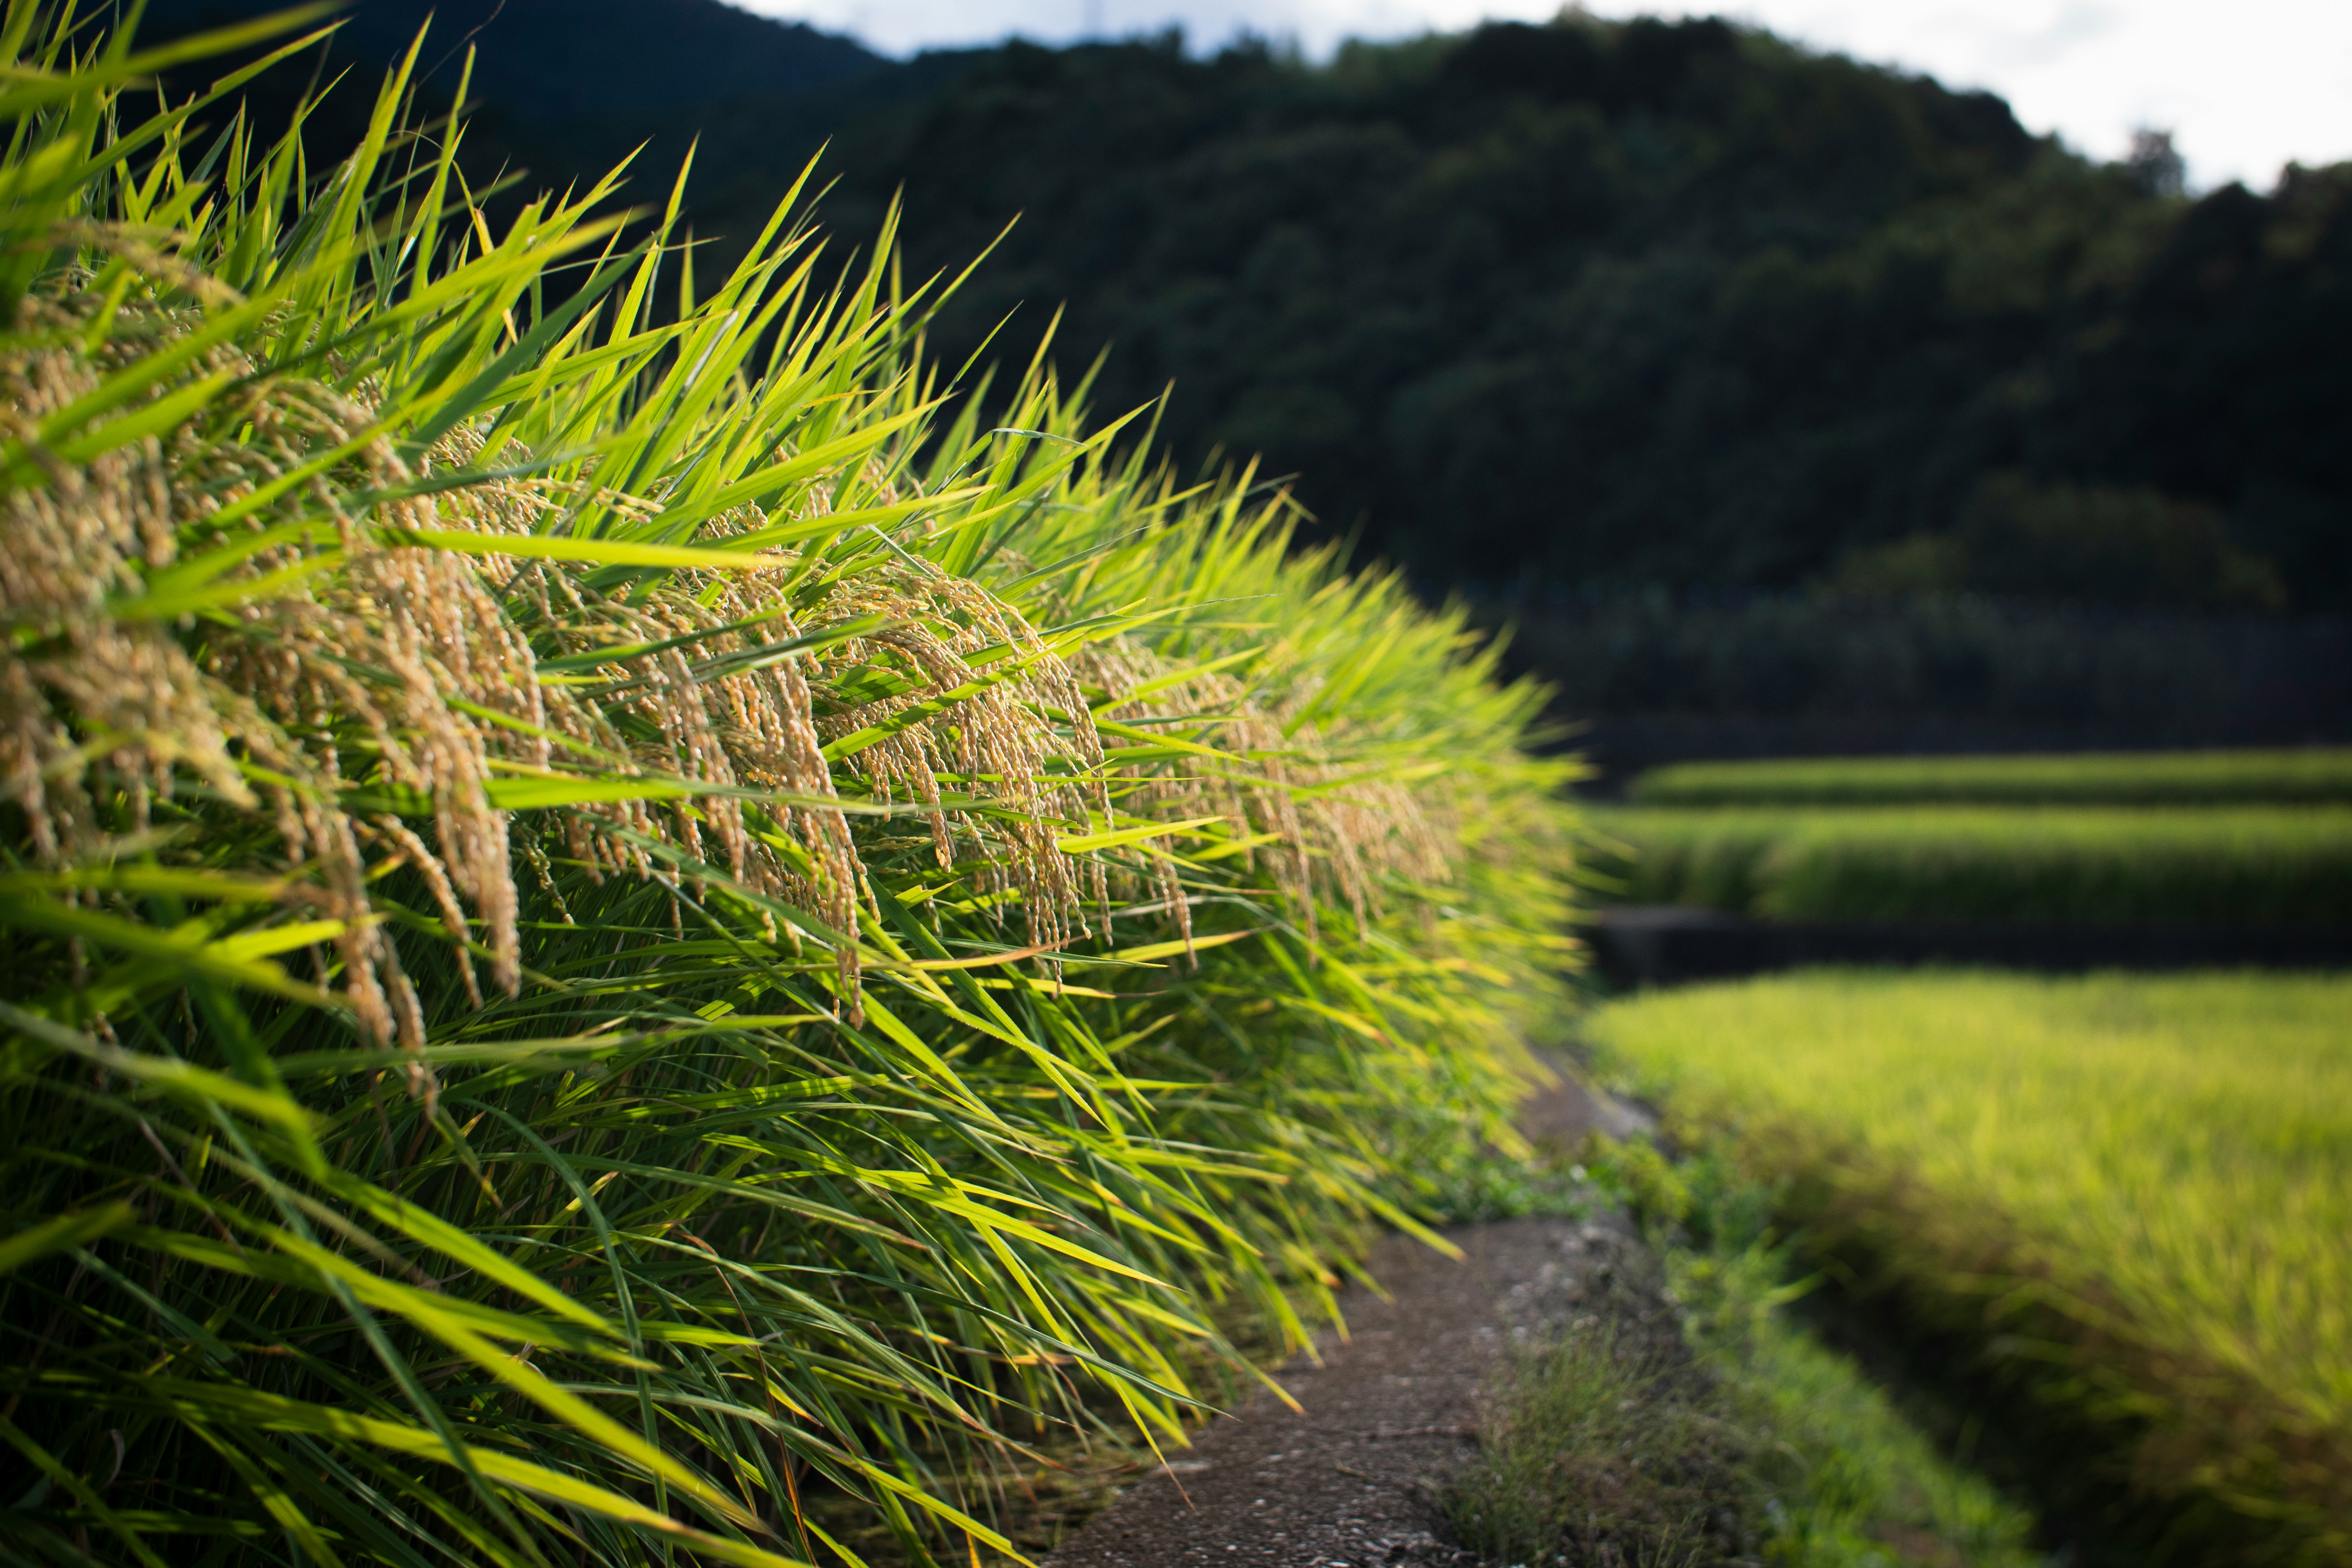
(69, 546)
(411, 848)
(1345, 843)
(417, 615)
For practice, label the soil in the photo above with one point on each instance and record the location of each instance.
(1353, 1479)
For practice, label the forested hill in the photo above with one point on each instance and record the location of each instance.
(562, 90)
(1669, 303)
(556, 62)
(1582, 304)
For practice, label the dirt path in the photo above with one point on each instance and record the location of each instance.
(1347, 1481)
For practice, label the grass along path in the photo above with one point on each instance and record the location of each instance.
(1636, 1394)
(2135, 1189)
(1682, 1416)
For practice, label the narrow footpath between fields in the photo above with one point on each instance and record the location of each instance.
(1350, 1480)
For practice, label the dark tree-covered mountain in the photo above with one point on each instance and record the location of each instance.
(1578, 305)
(557, 62)
(562, 90)
(1670, 304)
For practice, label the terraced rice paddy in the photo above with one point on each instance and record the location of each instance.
(2241, 866)
(2133, 1194)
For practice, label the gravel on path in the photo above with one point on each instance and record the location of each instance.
(1353, 1479)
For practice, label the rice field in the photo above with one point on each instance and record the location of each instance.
(637, 935)
(2134, 1193)
(2242, 866)
(2301, 776)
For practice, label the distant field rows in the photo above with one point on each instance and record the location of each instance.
(2131, 1191)
(2304, 776)
(2245, 866)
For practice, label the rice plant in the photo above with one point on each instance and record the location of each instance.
(625, 916)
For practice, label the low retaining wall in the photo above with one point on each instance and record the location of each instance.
(1660, 944)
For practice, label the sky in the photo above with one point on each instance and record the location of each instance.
(2244, 86)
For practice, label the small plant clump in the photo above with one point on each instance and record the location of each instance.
(1608, 1444)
